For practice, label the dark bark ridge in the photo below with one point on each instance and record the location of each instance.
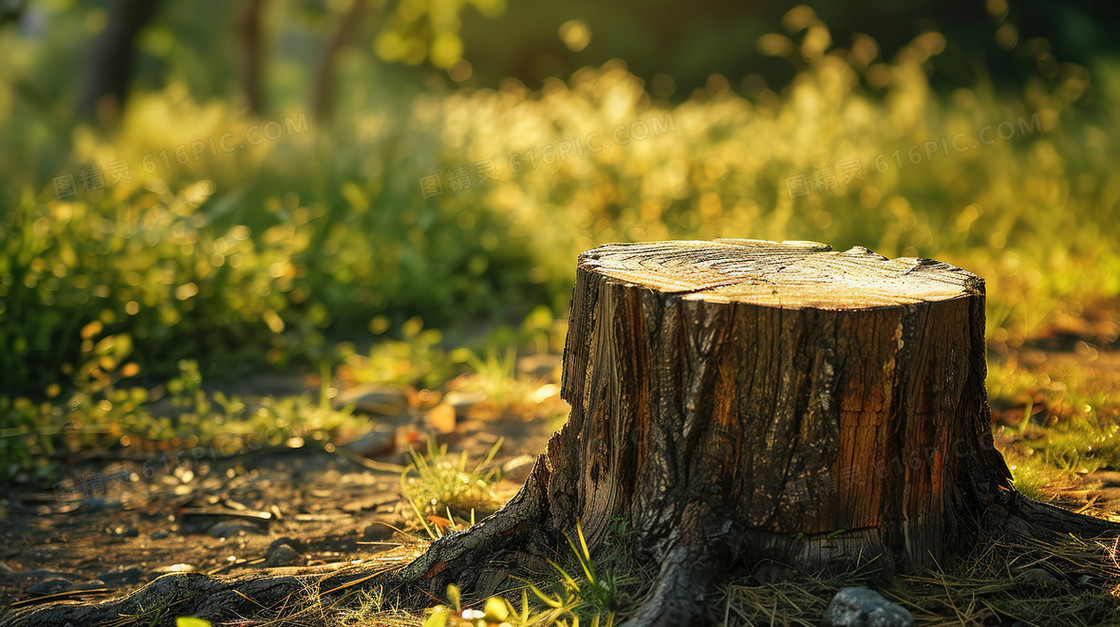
(739, 400)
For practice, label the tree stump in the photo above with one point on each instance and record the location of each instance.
(738, 401)
(742, 400)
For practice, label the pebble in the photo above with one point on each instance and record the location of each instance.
(378, 400)
(863, 607)
(379, 441)
(233, 529)
(280, 553)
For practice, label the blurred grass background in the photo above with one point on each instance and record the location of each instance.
(275, 177)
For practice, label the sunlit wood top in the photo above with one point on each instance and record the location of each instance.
(790, 275)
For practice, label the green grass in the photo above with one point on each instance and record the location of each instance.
(1058, 421)
(587, 594)
(442, 483)
(274, 251)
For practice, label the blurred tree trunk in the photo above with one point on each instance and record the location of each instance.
(109, 66)
(322, 98)
(249, 36)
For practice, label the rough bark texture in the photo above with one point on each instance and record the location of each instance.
(741, 400)
(738, 401)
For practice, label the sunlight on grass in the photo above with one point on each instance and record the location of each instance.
(441, 483)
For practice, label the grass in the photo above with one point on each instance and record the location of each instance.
(269, 257)
(988, 587)
(439, 483)
(274, 251)
(590, 595)
(1057, 421)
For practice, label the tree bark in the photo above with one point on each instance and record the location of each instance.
(109, 68)
(249, 38)
(739, 401)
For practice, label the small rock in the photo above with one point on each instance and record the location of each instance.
(233, 529)
(463, 401)
(121, 576)
(378, 400)
(382, 440)
(160, 534)
(280, 553)
(863, 607)
(57, 586)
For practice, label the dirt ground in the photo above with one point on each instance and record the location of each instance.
(114, 522)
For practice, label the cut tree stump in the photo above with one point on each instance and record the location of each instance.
(740, 401)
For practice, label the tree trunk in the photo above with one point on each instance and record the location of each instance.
(108, 68)
(743, 400)
(739, 401)
(249, 40)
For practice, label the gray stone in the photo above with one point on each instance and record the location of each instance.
(280, 553)
(863, 607)
(233, 529)
(377, 400)
(380, 440)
